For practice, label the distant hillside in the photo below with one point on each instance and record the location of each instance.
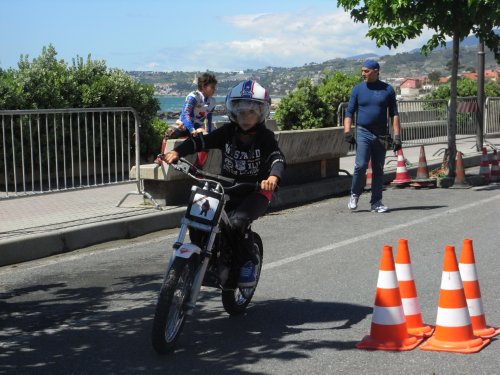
(280, 81)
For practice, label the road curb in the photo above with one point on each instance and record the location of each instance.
(33, 247)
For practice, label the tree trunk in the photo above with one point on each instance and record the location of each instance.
(452, 115)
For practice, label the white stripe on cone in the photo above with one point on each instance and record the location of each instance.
(467, 272)
(475, 306)
(404, 272)
(387, 280)
(411, 306)
(451, 281)
(388, 315)
(458, 317)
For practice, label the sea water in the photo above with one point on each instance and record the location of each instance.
(175, 103)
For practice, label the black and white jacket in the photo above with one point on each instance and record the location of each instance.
(250, 156)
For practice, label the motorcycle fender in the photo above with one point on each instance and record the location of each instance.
(186, 250)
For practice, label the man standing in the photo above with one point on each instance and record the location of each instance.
(373, 100)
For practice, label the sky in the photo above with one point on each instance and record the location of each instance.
(185, 35)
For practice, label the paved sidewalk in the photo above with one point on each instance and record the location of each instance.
(41, 225)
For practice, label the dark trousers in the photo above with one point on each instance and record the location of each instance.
(368, 146)
(242, 211)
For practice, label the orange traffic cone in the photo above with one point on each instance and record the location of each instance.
(408, 291)
(460, 180)
(368, 183)
(422, 179)
(468, 273)
(453, 326)
(388, 329)
(495, 169)
(484, 167)
(402, 178)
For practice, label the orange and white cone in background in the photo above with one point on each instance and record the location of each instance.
(388, 329)
(408, 291)
(369, 175)
(422, 179)
(460, 180)
(470, 281)
(453, 331)
(495, 168)
(484, 167)
(402, 178)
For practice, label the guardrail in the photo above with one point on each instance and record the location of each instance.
(60, 149)
(492, 116)
(426, 121)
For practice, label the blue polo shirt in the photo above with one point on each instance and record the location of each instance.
(372, 101)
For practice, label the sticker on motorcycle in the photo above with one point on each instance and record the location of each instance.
(204, 206)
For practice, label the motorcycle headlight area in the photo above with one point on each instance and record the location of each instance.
(204, 206)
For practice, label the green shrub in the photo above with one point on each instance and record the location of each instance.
(48, 83)
(310, 107)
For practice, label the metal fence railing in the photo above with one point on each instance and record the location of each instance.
(59, 149)
(425, 121)
(492, 116)
(467, 116)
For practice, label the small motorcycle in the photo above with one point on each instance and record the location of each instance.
(208, 259)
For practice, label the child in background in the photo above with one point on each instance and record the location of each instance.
(198, 106)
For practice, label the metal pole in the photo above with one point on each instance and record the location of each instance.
(480, 97)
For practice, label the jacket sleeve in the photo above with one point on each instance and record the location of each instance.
(275, 158)
(352, 106)
(187, 113)
(215, 139)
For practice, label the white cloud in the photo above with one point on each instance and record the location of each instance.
(153, 65)
(286, 39)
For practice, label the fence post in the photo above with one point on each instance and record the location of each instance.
(140, 189)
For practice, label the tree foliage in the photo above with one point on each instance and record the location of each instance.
(434, 76)
(309, 106)
(393, 22)
(302, 108)
(49, 83)
(335, 89)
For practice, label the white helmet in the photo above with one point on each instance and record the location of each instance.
(248, 95)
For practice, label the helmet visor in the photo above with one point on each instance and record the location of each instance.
(247, 107)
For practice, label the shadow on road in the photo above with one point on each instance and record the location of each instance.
(53, 329)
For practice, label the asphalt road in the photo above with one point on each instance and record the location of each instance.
(90, 311)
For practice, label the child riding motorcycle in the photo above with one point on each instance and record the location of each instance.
(250, 153)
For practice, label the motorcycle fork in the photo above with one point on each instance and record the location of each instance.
(180, 240)
(205, 256)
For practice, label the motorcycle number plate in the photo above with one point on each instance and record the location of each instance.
(204, 206)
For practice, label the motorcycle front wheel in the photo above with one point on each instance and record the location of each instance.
(170, 314)
(235, 301)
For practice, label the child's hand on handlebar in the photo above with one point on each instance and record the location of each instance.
(171, 157)
(270, 184)
(195, 132)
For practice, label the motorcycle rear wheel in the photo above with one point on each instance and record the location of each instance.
(235, 301)
(170, 314)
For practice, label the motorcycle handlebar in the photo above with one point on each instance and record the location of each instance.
(254, 185)
(186, 167)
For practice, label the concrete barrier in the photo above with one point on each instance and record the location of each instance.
(311, 155)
